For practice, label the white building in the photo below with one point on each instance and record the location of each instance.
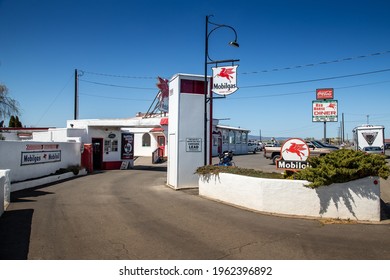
(150, 135)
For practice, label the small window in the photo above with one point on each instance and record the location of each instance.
(146, 140)
(114, 145)
(107, 146)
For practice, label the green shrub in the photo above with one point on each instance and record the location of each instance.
(215, 170)
(342, 166)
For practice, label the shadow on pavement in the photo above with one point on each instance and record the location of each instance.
(15, 230)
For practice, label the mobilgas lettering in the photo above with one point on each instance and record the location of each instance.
(292, 164)
(31, 158)
(225, 86)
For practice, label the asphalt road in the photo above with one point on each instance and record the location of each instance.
(131, 214)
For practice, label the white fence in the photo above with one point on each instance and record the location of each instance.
(28, 160)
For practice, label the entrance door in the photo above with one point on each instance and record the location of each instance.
(161, 144)
(97, 148)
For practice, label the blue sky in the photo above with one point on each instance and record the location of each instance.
(288, 49)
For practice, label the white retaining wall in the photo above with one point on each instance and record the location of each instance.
(355, 200)
(12, 153)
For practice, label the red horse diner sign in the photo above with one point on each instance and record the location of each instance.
(294, 154)
(225, 80)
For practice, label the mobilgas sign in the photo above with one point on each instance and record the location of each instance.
(294, 154)
(225, 80)
(29, 158)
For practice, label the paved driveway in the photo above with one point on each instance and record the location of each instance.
(131, 214)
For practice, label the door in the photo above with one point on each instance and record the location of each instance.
(97, 150)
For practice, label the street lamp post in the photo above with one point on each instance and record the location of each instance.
(207, 61)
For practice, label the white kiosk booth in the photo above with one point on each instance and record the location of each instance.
(186, 130)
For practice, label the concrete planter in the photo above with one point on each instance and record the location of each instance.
(355, 200)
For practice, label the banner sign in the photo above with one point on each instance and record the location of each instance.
(29, 158)
(127, 147)
(324, 93)
(325, 111)
(224, 80)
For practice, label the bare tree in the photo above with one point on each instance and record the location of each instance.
(8, 106)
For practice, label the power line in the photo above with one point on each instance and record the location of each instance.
(54, 100)
(113, 85)
(117, 76)
(318, 63)
(117, 98)
(303, 92)
(317, 80)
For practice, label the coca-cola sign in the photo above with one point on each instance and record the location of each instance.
(324, 93)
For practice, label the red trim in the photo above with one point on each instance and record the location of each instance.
(23, 128)
(111, 165)
(211, 123)
(164, 121)
(192, 86)
(157, 129)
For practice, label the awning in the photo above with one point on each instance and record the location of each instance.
(164, 121)
(157, 129)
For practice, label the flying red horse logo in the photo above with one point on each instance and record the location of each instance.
(332, 106)
(297, 149)
(226, 73)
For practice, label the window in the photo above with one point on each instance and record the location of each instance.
(107, 146)
(244, 137)
(232, 137)
(238, 137)
(110, 146)
(225, 137)
(114, 145)
(146, 140)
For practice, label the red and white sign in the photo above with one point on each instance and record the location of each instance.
(295, 149)
(294, 154)
(325, 111)
(225, 80)
(324, 93)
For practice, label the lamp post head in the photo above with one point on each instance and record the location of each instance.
(234, 44)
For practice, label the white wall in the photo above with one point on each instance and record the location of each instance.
(355, 200)
(11, 157)
(5, 190)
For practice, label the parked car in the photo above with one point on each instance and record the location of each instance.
(373, 150)
(387, 146)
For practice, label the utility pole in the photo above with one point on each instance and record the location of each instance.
(76, 95)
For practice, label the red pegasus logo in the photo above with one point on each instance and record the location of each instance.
(332, 106)
(297, 149)
(226, 73)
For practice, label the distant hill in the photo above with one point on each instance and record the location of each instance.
(266, 138)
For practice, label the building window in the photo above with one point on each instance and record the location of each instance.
(146, 140)
(110, 146)
(107, 146)
(244, 137)
(238, 137)
(225, 137)
(114, 145)
(232, 137)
